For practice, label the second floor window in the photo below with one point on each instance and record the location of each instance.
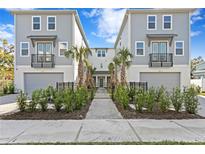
(63, 46)
(167, 22)
(51, 21)
(151, 22)
(101, 53)
(139, 48)
(179, 48)
(36, 23)
(24, 46)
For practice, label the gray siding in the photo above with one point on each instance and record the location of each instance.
(24, 29)
(180, 26)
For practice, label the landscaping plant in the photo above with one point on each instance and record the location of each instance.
(58, 100)
(68, 100)
(140, 100)
(43, 101)
(121, 96)
(131, 93)
(190, 100)
(81, 97)
(176, 98)
(21, 101)
(150, 99)
(35, 100)
(50, 92)
(163, 99)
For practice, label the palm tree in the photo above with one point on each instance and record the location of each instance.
(89, 74)
(125, 60)
(111, 68)
(79, 54)
(116, 62)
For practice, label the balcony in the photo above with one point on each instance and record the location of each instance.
(42, 60)
(161, 60)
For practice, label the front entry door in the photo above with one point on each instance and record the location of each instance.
(159, 51)
(101, 82)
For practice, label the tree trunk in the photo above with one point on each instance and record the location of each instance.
(80, 72)
(122, 75)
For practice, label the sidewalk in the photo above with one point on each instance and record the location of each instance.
(116, 130)
(102, 107)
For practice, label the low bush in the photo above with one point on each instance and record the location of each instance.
(50, 92)
(81, 97)
(43, 100)
(5, 89)
(176, 98)
(190, 100)
(140, 100)
(150, 99)
(131, 93)
(122, 96)
(163, 99)
(58, 100)
(21, 101)
(35, 100)
(68, 100)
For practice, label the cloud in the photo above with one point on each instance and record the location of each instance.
(195, 33)
(11, 9)
(108, 22)
(196, 16)
(7, 32)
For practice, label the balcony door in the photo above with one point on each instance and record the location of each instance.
(159, 51)
(44, 51)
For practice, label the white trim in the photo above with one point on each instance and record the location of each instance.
(136, 48)
(48, 23)
(32, 24)
(182, 48)
(158, 42)
(21, 49)
(59, 48)
(148, 22)
(163, 21)
(36, 46)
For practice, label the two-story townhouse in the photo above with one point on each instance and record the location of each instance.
(100, 59)
(159, 40)
(41, 38)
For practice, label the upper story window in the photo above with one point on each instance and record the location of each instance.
(179, 48)
(139, 48)
(101, 53)
(167, 22)
(36, 23)
(151, 22)
(24, 49)
(51, 23)
(63, 46)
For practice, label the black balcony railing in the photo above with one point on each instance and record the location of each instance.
(42, 60)
(161, 60)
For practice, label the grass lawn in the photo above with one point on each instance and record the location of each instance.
(115, 143)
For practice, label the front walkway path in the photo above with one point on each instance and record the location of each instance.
(102, 107)
(113, 130)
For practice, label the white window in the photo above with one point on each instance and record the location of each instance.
(103, 53)
(24, 49)
(51, 23)
(167, 22)
(139, 48)
(36, 23)
(99, 53)
(179, 48)
(151, 22)
(63, 46)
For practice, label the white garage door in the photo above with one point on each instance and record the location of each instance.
(34, 81)
(168, 80)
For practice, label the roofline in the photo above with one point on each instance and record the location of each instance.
(135, 11)
(74, 12)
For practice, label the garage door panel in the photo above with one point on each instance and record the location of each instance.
(168, 80)
(34, 81)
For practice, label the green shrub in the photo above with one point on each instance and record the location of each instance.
(140, 100)
(50, 92)
(163, 99)
(68, 100)
(11, 88)
(5, 89)
(150, 99)
(81, 97)
(122, 96)
(190, 100)
(131, 94)
(43, 101)
(35, 100)
(176, 98)
(21, 101)
(58, 100)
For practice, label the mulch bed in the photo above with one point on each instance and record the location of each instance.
(132, 114)
(50, 114)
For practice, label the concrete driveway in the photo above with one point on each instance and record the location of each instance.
(201, 110)
(7, 99)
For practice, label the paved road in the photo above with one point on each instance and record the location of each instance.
(7, 99)
(115, 130)
(102, 107)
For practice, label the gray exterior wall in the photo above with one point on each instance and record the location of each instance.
(180, 26)
(23, 29)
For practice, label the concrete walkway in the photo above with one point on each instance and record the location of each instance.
(115, 130)
(7, 99)
(102, 107)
